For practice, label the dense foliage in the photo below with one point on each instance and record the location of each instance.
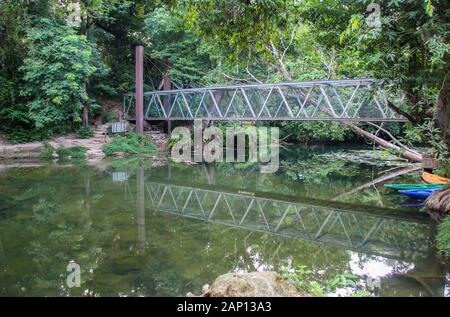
(58, 65)
(408, 48)
(443, 237)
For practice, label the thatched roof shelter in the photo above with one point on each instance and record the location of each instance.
(439, 201)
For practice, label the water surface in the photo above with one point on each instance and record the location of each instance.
(137, 228)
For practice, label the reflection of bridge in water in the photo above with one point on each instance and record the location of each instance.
(371, 230)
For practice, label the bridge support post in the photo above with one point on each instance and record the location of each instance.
(169, 127)
(139, 89)
(167, 85)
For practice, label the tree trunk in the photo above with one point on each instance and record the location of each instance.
(442, 113)
(85, 110)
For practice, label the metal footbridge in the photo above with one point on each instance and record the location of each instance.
(337, 100)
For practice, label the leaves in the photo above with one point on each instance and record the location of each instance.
(59, 62)
(130, 143)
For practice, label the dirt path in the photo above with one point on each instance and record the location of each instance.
(93, 145)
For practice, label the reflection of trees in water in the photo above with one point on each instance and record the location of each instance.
(61, 233)
(303, 172)
(57, 228)
(65, 217)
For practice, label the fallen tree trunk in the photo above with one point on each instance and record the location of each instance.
(401, 151)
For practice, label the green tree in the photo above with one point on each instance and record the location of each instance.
(180, 52)
(58, 66)
(409, 50)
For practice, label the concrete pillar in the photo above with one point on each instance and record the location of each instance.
(139, 89)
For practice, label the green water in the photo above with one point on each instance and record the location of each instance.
(153, 228)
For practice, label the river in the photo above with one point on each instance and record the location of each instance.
(136, 228)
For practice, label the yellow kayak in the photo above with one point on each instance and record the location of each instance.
(434, 179)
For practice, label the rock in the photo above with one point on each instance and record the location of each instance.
(94, 154)
(205, 289)
(255, 284)
(55, 155)
(120, 154)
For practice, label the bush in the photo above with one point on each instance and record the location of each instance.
(444, 170)
(47, 152)
(314, 131)
(130, 143)
(109, 117)
(443, 237)
(73, 152)
(85, 132)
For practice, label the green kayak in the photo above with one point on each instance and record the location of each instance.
(413, 186)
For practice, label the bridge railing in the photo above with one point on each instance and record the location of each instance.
(338, 100)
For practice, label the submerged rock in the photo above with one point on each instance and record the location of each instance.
(255, 284)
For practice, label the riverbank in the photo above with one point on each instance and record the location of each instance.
(92, 145)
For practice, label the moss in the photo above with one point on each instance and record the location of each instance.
(443, 237)
(130, 143)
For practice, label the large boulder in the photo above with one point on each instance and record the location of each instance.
(255, 284)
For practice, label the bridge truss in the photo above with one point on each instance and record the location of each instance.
(337, 100)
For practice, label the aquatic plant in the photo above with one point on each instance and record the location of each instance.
(305, 281)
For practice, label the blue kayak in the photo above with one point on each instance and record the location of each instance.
(418, 193)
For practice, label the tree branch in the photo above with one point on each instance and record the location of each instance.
(401, 112)
(238, 79)
(253, 76)
(286, 48)
(280, 62)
